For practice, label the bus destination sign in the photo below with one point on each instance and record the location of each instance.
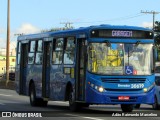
(119, 33)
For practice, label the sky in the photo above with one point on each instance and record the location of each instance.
(32, 16)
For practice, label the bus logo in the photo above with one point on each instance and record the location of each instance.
(129, 70)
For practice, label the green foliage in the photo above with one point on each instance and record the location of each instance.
(157, 26)
(157, 33)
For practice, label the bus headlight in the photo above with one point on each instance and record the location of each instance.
(98, 88)
(145, 89)
(149, 88)
(101, 89)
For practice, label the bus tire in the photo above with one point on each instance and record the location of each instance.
(156, 106)
(137, 106)
(32, 95)
(86, 105)
(43, 103)
(72, 104)
(127, 107)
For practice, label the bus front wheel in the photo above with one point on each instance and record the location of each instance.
(137, 106)
(127, 107)
(156, 105)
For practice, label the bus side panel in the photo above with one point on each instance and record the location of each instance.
(57, 81)
(35, 74)
(17, 74)
(24, 81)
(17, 81)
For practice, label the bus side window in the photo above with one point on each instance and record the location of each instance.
(39, 52)
(69, 51)
(31, 52)
(58, 51)
(19, 51)
(32, 46)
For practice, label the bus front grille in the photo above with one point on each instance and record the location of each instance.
(122, 90)
(125, 80)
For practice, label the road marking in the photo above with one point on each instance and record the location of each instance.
(92, 118)
(5, 95)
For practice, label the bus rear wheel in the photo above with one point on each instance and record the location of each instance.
(34, 101)
(74, 106)
(42, 103)
(127, 107)
(32, 95)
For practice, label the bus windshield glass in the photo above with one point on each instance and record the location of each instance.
(120, 58)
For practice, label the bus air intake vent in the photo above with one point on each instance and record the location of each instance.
(125, 80)
(122, 90)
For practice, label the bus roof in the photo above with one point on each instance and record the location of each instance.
(79, 30)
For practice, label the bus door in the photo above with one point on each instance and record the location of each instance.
(46, 70)
(23, 68)
(80, 69)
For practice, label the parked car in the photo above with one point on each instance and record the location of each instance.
(11, 76)
(156, 104)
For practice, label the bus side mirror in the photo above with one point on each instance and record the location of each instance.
(157, 82)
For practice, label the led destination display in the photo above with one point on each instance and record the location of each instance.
(135, 34)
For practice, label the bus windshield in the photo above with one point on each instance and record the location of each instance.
(117, 58)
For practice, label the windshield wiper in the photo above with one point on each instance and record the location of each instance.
(108, 43)
(131, 52)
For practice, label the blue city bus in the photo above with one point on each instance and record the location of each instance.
(102, 64)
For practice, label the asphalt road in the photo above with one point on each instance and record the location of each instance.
(11, 104)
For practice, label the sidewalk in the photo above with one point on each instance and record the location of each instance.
(10, 85)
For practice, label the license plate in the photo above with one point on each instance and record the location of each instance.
(123, 98)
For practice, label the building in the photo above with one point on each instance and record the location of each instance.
(12, 61)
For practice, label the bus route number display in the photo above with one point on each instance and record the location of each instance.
(119, 33)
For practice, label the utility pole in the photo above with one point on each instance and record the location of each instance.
(67, 24)
(7, 44)
(151, 12)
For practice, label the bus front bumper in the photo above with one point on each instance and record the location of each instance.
(95, 97)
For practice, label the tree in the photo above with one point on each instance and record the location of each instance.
(157, 33)
(157, 39)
